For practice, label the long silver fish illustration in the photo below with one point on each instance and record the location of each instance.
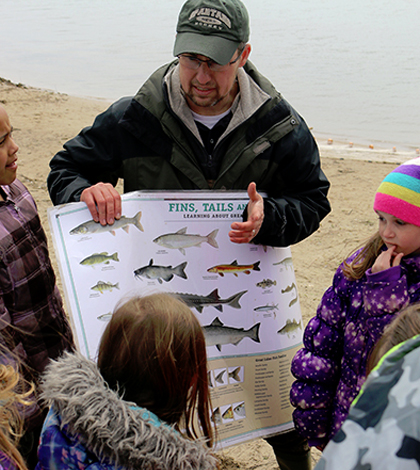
(104, 286)
(99, 258)
(180, 240)
(290, 327)
(166, 273)
(217, 334)
(266, 308)
(91, 226)
(211, 300)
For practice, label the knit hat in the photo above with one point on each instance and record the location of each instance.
(399, 193)
(212, 28)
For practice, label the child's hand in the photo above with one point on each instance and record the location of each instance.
(387, 259)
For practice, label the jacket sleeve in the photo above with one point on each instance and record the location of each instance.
(296, 212)
(317, 366)
(88, 158)
(384, 294)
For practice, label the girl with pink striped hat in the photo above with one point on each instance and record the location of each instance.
(368, 290)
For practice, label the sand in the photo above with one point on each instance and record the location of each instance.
(44, 120)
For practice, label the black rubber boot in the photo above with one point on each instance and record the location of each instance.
(291, 450)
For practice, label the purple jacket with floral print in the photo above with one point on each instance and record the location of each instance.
(331, 367)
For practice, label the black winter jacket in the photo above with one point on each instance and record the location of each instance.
(144, 141)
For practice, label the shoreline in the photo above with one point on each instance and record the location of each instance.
(329, 145)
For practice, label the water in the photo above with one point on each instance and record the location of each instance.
(350, 68)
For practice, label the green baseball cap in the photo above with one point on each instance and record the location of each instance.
(212, 28)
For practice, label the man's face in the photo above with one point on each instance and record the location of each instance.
(209, 92)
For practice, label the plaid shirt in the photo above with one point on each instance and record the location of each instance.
(33, 324)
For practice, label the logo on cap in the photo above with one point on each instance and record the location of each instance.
(210, 17)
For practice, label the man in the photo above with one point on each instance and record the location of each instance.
(208, 120)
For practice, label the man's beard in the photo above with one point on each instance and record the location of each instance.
(191, 97)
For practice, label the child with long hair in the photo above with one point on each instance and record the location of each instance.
(382, 430)
(136, 407)
(12, 396)
(368, 290)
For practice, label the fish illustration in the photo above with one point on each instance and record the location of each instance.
(217, 334)
(104, 286)
(234, 268)
(213, 300)
(98, 258)
(181, 240)
(161, 272)
(290, 327)
(219, 377)
(228, 414)
(216, 416)
(91, 226)
(266, 308)
(234, 374)
(105, 317)
(266, 283)
(285, 262)
(288, 288)
(293, 301)
(209, 379)
(239, 410)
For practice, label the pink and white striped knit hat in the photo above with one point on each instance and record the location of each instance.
(399, 193)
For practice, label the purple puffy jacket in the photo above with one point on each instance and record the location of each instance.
(331, 367)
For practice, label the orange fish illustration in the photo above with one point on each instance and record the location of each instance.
(234, 268)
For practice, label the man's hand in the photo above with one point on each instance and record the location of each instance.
(387, 259)
(244, 232)
(103, 201)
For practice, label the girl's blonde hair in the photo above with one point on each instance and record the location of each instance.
(12, 397)
(364, 259)
(153, 351)
(403, 327)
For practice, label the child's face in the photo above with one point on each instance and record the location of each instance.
(8, 150)
(395, 232)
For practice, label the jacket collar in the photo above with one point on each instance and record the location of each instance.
(112, 428)
(247, 102)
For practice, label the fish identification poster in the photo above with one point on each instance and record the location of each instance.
(245, 296)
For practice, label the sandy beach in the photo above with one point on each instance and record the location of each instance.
(44, 120)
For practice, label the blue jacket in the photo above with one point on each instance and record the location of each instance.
(331, 367)
(89, 427)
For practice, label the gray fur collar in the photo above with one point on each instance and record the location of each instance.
(109, 427)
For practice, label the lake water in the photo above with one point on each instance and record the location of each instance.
(351, 68)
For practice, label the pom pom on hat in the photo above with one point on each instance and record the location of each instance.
(399, 193)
